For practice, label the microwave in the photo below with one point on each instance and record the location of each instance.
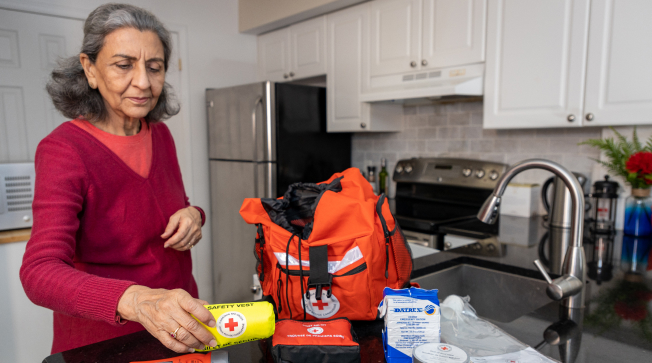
(16, 195)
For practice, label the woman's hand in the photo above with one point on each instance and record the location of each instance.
(187, 224)
(162, 311)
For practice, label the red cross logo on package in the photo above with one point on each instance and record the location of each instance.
(315, 330)
(321, 309)
(231, 324)
(444, 348)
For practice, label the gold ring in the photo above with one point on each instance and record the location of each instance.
(174, 335)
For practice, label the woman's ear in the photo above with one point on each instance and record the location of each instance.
(88, 70)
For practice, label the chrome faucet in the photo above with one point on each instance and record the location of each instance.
(570, 287)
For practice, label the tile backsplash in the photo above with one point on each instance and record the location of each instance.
(455, 130)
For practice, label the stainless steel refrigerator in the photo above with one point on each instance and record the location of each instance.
(262, 138)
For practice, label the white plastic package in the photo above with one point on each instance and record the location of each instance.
(485, 342)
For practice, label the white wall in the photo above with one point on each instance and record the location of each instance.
(216, 56)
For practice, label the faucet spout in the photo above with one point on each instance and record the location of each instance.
(574, 261)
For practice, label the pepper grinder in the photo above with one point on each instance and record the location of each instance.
(604, 202)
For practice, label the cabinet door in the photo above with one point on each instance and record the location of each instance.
(348, 46)
(308, 47)
(619, 74)
(536, 52)
(453, 32)
(395, 40)
(274, 56)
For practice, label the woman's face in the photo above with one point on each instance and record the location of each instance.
(128, 72)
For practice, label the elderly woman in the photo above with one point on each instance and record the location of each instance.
(112, 230)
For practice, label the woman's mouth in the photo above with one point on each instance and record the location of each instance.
(138, 100)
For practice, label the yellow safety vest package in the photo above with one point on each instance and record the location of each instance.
(240, 323)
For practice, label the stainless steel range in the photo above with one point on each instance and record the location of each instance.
(437, 200)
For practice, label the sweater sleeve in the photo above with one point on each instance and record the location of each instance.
(48, 274)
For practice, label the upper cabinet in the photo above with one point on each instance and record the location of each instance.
(426, 48)
(618, 72)
(453, 32)
(541, 54)
(395, 36)
(293, 53)
(347, 76)
(409, 35)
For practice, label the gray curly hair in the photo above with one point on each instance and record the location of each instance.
(68, 86)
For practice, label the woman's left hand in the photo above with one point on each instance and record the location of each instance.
(187, 224)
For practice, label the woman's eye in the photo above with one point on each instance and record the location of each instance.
(124, 66)
(154, 70)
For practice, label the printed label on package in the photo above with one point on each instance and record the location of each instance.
(410, 322)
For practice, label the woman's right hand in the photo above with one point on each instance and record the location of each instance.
(162, 311)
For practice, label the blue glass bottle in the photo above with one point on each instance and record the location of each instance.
(638, 213)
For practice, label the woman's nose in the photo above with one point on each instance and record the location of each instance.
(141, 78)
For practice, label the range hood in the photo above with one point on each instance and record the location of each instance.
(467, 80)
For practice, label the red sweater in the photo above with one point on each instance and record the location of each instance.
(97, 227)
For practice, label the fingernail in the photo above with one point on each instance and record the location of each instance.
(211, 323)
(213, 343)
(191, 350)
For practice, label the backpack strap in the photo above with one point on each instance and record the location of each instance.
(319, 276)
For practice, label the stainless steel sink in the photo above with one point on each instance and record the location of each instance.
(495, 295)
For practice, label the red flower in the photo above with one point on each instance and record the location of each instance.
(635, 311)
(641, 162)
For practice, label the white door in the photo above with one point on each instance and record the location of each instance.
(395, 36)
(536, 56)
(619, 69)
(274, 56)
(348, 46)
(453, 32)
(30, 46)
(308, 48)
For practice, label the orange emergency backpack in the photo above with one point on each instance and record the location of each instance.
(331, 246)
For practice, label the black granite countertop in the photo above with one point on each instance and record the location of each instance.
(615, 326)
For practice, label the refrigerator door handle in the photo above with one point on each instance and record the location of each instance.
(254, 159)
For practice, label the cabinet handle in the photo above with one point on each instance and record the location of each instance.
(291, 74)
(570, 118)
(424, 62)
(286, 76)
(413, 64)
(363, 125)
(589, 117)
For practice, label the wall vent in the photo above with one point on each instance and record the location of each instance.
(16, 195)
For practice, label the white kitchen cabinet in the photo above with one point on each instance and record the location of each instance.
(568, 63)
(274, 55)
(618, 73)
(535, 63)
(296, 52)
(395, 36)
(453, 32)
(347, 76)
(411, 35)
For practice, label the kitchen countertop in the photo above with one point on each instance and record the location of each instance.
(15, 235)
(616, 325)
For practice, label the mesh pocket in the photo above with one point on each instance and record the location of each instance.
(402, 255)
